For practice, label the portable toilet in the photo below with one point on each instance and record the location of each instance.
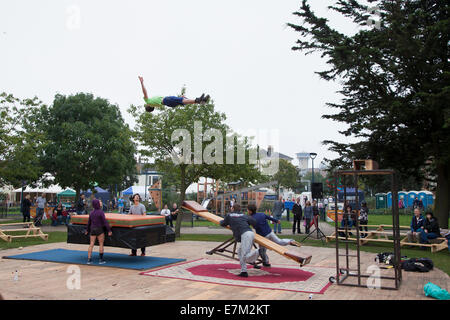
(430, 199)
(411, 197)
(423, 196)
(381, 200)
(389, 199)
(403, 195)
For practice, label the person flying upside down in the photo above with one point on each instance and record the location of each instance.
(263, 229)
(170, 101)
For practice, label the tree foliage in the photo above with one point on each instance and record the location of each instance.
(154, 132)
(395, 86)
(88, 143)
(21, 140)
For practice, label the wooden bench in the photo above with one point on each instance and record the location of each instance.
(31, 231)
(380, 234)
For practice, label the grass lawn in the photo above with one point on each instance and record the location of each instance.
(55, 236)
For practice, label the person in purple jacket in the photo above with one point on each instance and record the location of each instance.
(263, 229)
(96, 226)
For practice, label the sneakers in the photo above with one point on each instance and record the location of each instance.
(256, 266)
(89, 261)
(202, 99)
(102, 261)
(142, 254)
(243, 274)
(132, 255)
(266, 264)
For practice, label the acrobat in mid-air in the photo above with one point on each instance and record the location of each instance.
(170, 101)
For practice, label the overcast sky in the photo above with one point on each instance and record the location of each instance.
(237, 51)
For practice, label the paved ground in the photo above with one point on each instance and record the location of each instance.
(46, 280)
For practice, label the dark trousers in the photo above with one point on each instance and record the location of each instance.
(134, 251)
(26, 215)
(363, 223)
(169, 221)
(308, 225)
(297, 221)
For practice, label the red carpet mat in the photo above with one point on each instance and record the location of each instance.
(277, 277)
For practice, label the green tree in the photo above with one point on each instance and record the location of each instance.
(396, 88)
(88, 143)
(287, 175)
(21, 140)
(154, 132)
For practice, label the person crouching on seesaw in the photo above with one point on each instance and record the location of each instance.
(263, 229)
(170, 101)
(96, 226)
(240, 225)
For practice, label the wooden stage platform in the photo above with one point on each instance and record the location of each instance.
(46, 280)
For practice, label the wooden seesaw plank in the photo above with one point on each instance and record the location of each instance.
(199, 210)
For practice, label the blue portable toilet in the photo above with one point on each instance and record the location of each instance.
(430, 199)
(389, 199)
(411, 197)
(423, 196)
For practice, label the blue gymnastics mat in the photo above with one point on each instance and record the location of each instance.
(116, 260)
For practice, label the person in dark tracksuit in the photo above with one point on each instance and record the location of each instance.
(262, 228)
(298, 213)
(240, 225)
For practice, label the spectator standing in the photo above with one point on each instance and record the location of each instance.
(40, 210)
(315, 214)
(139, 209)
(278, 208)
(363, 218)
(166, 213)
(298, 213)
(174, 212)
(81, 204)
(308, 216)
(120, 205)
(26, 205)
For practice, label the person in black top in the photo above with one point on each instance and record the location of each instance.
(298, 213)
(81, 205)
(174, 212)
(430, 228)
(26, 205)
(240, 224)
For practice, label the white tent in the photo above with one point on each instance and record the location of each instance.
(51, 189)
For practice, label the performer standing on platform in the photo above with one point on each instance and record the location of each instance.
(240, 225)
(263, 229)
(137, 208)
(96, 226)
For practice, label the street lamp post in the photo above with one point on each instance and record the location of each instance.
(312, 155)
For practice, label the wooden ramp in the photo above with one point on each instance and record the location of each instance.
(199, 210)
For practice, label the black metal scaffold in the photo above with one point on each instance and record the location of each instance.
(343, 270)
